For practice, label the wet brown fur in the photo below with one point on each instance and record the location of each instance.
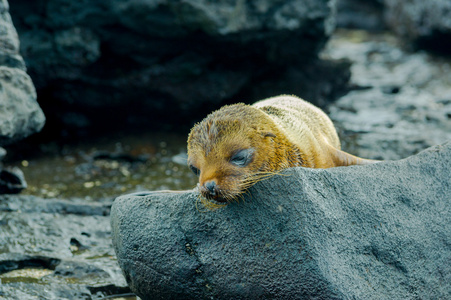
(285, 132)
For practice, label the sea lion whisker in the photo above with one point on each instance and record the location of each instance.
(199, 199)
(240, 198)
(264, 174)
(254, 178)
(247, 193)
(209, 205)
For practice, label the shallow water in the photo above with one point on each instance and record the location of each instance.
(66, 217)
(106, 169)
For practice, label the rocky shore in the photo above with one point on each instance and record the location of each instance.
(93, 68)
(400, 101)
(56, 249)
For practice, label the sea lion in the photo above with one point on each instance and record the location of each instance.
(239, 144)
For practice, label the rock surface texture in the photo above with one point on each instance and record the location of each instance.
(368, 15)
(422, 24)
(400, 102)
(426, 23)
(172, 60)
(20, 114)
(381, 231)
(56, 249)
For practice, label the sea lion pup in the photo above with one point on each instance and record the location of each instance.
(239, 144)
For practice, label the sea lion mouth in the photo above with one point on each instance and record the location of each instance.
(219, 200)
(219, 196)
(222, 197)
(216, 197)
(220, 193)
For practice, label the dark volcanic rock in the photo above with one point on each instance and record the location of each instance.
(400, 102)
(168, 62)
(12, 180)
(425, 23)
(381, 231)
(421, 24)
(20, 114)
(2, 153)
(56, 249)
(368, 15)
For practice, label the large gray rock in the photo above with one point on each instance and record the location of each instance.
(20, 114)
(171, 60)
(381, 231)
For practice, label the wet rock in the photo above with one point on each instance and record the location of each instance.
(398, 106)
(341, 233)
(421, 24)
(12, 180)
(169, 62)
(20, 114)
(320, 81)
(2, 154)
(424, 23)
(356, 14)
(56, 249)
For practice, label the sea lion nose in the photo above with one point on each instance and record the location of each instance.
(211, 187)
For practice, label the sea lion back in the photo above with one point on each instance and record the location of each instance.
(305, 125)
(300, 119)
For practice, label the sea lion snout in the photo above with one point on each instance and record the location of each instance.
(211, 190)
(211, 187)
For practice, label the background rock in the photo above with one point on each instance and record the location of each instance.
(2, 154)
(368, 15)
(425, 23)
(56, 249)
(12, 180)
(364, 232)
(168, 63)
(399, 103)
(421, 24)
(20, 114)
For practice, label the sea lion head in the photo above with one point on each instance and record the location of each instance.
(230, 150)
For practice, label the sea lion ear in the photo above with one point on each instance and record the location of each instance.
(268, 134)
